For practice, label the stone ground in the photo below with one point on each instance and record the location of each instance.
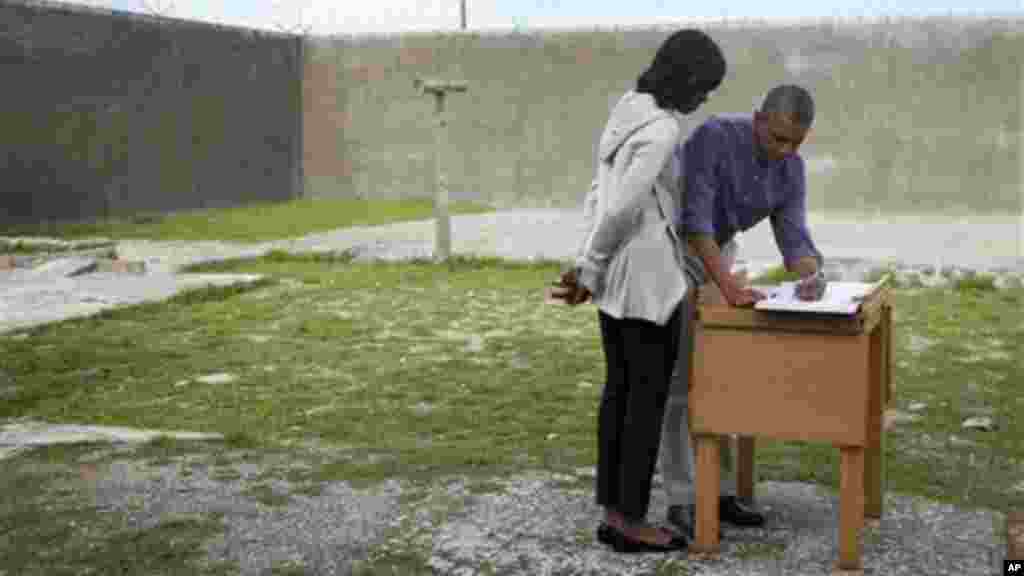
(537, 523)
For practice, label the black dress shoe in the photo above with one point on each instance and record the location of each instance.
(626, 545)
(730, 510)
(604, 535)
(682, 518)
(733, 511)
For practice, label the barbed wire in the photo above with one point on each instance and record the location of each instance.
(165, 8)
(300, 27)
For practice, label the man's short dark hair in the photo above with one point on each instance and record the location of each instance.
(790, 100)
(687, 63)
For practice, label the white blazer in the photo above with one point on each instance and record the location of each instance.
(631, 258)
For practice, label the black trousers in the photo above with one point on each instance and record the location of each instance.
(639, 356)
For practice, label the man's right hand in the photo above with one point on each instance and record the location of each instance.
(742, 297)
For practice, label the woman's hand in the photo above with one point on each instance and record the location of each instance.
(569, 289)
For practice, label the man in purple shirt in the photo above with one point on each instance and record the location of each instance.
(737, 171)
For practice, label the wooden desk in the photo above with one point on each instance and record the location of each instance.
(806, 377)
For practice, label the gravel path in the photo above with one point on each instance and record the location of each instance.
(536, 523)
(533, 524)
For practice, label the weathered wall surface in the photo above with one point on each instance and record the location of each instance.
(914, 116)
(110, 114)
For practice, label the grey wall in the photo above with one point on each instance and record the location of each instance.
(913, 116)
(111, 114)
(106, 113)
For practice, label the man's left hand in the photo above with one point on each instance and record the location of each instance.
(811, 288)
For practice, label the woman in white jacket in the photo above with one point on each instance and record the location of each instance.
(631, 264)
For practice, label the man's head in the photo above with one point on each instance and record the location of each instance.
(687, 67)
(783, 121)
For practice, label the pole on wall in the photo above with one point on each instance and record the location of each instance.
(442, 231)
(462, 13)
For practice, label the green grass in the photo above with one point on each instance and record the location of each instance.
(419, 371)
(30, 248)
(255, 222)
(775, 275)
(72, 538)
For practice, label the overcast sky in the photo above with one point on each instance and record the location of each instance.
(374, 16)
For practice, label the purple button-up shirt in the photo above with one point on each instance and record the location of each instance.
(727, 189)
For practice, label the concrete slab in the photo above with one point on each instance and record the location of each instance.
(28, 302)
(61, 268)
(24, 434)
(120, 266)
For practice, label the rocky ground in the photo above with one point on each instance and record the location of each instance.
(533, 523)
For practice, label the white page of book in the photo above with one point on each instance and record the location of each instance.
(839, 298)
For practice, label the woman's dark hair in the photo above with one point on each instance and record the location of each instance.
(687, 63)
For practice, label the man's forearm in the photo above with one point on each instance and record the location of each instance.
(804, 267)
(711, 255)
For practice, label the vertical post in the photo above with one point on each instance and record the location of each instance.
(745, 469)
(462, 14)
(442, 235)
(851, 506)
(709, 469)
(1015, 536)
(874, 452)
(442, 220)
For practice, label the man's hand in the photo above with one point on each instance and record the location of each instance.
(569, 289)
(731, 286)
(811, 288)
(741, 296)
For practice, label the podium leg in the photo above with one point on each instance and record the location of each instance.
(851, 506)
(874, 453)
(709, 474)
(745, 469)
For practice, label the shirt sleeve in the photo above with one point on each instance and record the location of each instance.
(589, 211)
(789, 221)
(699, 159)
(647, 150)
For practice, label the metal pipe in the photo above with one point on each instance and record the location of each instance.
(442, 228)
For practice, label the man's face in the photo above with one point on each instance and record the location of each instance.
(777, 135)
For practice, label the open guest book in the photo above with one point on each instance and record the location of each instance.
(839, 297)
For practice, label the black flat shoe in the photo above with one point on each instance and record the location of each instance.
(604, 535)
(626, 545)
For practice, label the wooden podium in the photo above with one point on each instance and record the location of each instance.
(792, 376)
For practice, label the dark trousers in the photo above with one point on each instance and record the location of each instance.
(639, 356)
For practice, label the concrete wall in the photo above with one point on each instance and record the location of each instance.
(913, 116)
(111, 114)
(107, 113)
